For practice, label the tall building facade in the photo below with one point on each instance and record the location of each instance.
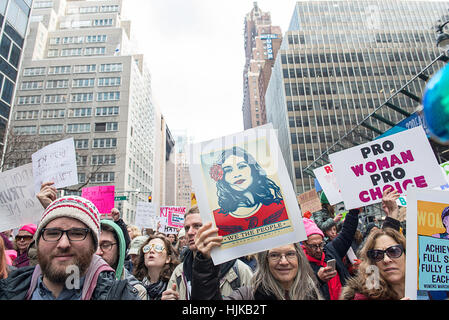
(184, 187)
(262, 42)
(339, 60)
(14, 17)
(81, 78)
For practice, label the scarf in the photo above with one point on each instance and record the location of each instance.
(154, 290)
(334, 284)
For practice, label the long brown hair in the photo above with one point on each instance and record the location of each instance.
(141, 271)
(383, 291)
(3, 264)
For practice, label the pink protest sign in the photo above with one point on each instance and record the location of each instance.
(173, 216)
(101, 196)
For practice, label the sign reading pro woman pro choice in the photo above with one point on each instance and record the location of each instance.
(242, 186)
(403, 160)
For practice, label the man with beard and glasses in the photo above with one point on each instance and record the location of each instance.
(68, 268)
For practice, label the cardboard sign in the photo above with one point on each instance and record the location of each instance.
(403, 161)
(146, 215)
(309, 201)
(18, 202)
(328, 181)
(230, 176)
(427, 260)
(55, 162)
(101, 196)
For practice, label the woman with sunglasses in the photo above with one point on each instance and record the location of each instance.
(156, 262)
(23, 239)
(381, 274)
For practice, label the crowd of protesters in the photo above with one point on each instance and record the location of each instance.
(74, 254)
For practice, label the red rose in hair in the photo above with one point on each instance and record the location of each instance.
(216, 172)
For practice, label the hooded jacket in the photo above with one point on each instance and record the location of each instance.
(120, 271)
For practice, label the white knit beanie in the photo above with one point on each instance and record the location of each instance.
(72, 207)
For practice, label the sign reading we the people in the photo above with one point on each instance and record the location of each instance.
(242, 185)
(427, 260)
(18, 202)
(401, 161)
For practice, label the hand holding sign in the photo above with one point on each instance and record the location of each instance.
(207, 238)
(389, 204)
(47, 194)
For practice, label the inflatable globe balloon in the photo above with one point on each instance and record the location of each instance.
(436, 105)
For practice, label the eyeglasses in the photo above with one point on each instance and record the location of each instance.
(315, 246)
(392, 252)
(106, 246)
(74, 234)
(19, 238)
(276, 256)
(156, 246)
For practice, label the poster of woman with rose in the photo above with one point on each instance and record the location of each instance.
(242, 186)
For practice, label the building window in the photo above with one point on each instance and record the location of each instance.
(93, 51)
(83, 83)
(80, 112)
(71, 52)
(108, 96)
(81, 143)
(106, 126)
(28, 72)
(85, 68)
(101, 177)
(111, 67)
(96, 38)
(103, 22)
(104, 159)
(82, 97)
(51, 129)
(81, 177)
(27, 115)
(29, 100)
(107, 111)
(81, 160)
(103, 143)
(78, 128)
(55, 98)
(108, 82)
(53, 114)
(25, 130)
(57, 84)
(59, 70)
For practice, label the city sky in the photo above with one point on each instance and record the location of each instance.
(195, 52)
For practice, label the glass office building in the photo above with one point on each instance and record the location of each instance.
(14, 16)
(340, 60)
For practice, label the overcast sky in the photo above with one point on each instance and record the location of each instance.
(195, 52)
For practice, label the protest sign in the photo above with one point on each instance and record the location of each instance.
(146, 215)
(101, 196)
(173, 216)
(427, 260)
(309, 201)
(401, 161)
(55, 162)
(18, 202)
(242, 185)
(192, 199)
(328, 181)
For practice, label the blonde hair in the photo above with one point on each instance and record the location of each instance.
(135, 231)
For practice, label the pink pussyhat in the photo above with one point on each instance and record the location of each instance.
(31, 228)
(311, 227)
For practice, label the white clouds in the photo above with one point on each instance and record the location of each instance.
(195, 52)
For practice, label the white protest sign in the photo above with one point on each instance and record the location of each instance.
(166, 229)
(18, 203)
(146, 215)
(404, 160)
(328, 181)
(55, 162)
(227, 175)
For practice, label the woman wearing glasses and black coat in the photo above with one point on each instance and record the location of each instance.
(282, 273)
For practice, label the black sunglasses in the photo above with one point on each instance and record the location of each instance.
(392, 252)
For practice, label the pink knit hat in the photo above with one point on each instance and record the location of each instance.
(311, 227)
(31, 228)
